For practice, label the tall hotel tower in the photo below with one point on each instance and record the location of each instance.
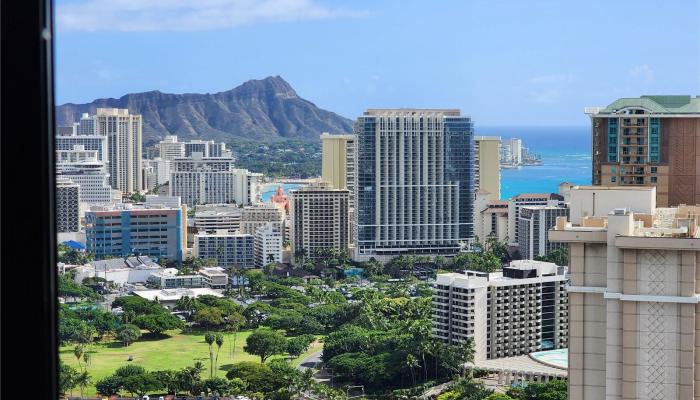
(415, 182)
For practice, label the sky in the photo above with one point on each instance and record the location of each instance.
(503, 63)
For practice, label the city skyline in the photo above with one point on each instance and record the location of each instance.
(532, 61)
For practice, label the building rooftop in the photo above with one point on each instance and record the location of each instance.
(139, 262)
(409, 112)
(538, 363)
(543, 196)
(653, 104)
(175, 294)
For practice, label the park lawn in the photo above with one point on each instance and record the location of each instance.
(176, 351)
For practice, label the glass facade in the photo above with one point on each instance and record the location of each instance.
(654, 140)
(612, 139)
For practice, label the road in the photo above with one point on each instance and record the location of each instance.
(312, 361)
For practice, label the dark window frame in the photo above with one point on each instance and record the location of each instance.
(28, 312)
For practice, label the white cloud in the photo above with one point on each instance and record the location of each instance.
(641, 72)
(188, 15)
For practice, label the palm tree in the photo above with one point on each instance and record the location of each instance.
(411, 363)
(83, 380)
(78, 353)
(210, 338)
(219, 339)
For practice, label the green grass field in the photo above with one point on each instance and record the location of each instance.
(176, 351)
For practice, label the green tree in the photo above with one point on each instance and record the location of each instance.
(128, 334)
(167, 378)
(109, 385)
(498, 396)
(298, 345)
(83, 379)
(558, 256)
(219, 340)
(67, 377)
(265, 342)
(209, 317)
(209, 338)
(255, 375)
(141, 384)
(158, 323)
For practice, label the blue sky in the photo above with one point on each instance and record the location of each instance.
(502, 62)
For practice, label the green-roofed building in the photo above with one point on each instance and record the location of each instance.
(649, 141)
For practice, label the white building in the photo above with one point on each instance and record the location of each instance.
(67, 206)
(490, 217)
(319, 219)
(119, 271)
(153, 200)
(527, 199)
(169, 297)
(218, 217)
(228, 249)
(96, 143)
(259, 214)
(516, 150)
(203, 180)
(521, 310)
(124, 135)
(156, 172)
(246, 186)
(89, 174)
(169, 278)
(214, 277)
(169, 148)
(268, 245)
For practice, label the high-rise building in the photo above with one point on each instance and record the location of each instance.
(319, 220)
(67, 205)
(527, 199)
(125, 229)
(246, 186)
(96, 143)
(533, 224)
(268, 244)
(649, 140)
(487, 171)
(521, 310)
(124, 135)
(229, 249)
(415, 182)
(633, 295)
(337, 167)
(92, 179)
(203, 180)
(169, 148)
(516, 150)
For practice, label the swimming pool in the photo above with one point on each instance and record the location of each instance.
(556, 358)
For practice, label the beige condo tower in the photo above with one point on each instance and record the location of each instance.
(633, 295)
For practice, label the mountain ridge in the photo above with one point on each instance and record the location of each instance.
(266, 109)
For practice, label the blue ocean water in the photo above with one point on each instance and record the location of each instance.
(565, 153)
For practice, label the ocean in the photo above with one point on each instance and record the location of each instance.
(565, 153)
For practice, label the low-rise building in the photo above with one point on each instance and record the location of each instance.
(520, 310)
(169, 297)
(119, 271)
(169, 278)
(214, 277)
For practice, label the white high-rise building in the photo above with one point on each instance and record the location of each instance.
(84, 168)
(268, 244)
(533, 225)
(124, 136)
(516, 150)
(257, 215)
(246, 186)
(415, 182)
(527, 199)
(67, 206)
(203, 180)
(89, 143)
(517, 311)
(170, 149)
(215, 217)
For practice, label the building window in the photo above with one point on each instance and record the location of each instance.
(613, 179)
